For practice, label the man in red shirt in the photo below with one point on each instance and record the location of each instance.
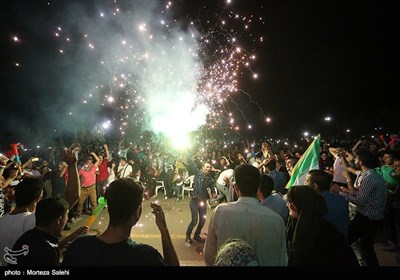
(88, 184)
(102, 174)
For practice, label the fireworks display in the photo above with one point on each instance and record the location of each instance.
(152, 65)
(196, 70)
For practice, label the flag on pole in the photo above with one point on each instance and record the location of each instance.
(307, 162)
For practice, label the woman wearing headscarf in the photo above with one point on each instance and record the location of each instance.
(235, 252)
(311, 240)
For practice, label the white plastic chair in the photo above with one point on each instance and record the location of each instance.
(159, 185)
(187, 186)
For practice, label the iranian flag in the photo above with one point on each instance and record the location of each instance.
(307, 162)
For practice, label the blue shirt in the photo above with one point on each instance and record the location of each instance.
(338, 211)
(276, 203)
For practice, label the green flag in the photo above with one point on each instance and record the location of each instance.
(307, 162)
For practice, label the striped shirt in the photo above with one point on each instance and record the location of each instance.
(369, 195)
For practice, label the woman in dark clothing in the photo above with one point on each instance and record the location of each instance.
(312, 241)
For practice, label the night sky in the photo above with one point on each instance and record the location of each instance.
(313, 59)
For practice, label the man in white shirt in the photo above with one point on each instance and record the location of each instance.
(124, 169)
(223, 185)
(259, 226)
(22, 219)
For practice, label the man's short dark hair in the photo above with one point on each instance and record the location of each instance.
(321, 178)
(368, 159)
(392, 153)
(50, 209)
(123, 197)
(247, 177)
(27, 191)
(271, 164)
(266, 185)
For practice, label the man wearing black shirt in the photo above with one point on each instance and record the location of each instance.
(203, 185)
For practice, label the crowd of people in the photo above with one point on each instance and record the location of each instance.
(330, 220)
